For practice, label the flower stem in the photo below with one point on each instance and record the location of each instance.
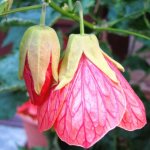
(21, 9)
(68, 14)
(43, 14)
(127, 32)
(70, 4)
(79, 6)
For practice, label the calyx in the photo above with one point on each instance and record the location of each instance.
(88, 45)
(39, 45)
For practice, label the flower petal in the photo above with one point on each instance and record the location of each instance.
(134, 117)
(118, 65)
(39, 56)
(77, 45)
(93, 106)
(23, 51)
(95, 55)
(35, 98)
(71, 60)
(49, 110)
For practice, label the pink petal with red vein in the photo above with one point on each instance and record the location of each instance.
(49, 110)
(134, 117)
(93, 106)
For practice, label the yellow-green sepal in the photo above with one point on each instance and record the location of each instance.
(118, 65)
(39, 45)
(94, 54)
(84, 44)
(24, 45)
(71, 60)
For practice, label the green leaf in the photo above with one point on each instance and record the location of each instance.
(144, 48)
(108, 142)
(87, 4)
(126, 75)
(106, 48)
(65, 146)
(143, 98)
(14, 36)
(36, 148)
(31, 17)
(9, 102)
(9, 74)
(15, 22)
(135, 62)
(53, 140)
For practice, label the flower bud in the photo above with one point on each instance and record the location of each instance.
(39, 59)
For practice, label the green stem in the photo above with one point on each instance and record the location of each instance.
(76, 18)
(146, 21)
(21, 9)
(127, 32)
(79, 6)
(70, 4)
(69, 15)
(43, 14)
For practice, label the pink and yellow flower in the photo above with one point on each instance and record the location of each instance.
(92, 96)
(39, 59)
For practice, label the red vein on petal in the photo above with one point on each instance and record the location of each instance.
(82, 130)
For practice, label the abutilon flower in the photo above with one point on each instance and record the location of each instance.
(39, 59)
(92, 96)
(28, 110)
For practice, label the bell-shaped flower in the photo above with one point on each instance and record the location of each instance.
(92, 96)
(39, 59)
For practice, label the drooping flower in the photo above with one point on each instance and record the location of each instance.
(39, 59)
(92, 96)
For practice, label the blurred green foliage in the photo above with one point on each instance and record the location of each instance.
(133, 15)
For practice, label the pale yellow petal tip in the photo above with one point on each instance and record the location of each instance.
(20, 75)
(20, 71)
(121, 68)
(37, 89)
(118, 65)
(62, 84)
(55, 76)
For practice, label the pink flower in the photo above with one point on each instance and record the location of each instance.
(92, 97)
(28, 110)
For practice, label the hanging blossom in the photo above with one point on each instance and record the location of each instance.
(92, 96)
(39, 59)
(28, 111)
